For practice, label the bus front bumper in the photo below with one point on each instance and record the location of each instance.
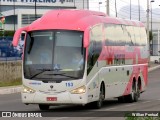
(54, 99)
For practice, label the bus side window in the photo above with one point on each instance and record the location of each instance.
(130, 31)
(143, 36)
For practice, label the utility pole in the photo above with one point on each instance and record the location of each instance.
(148, 30)
(116, 7)
(130, 10)
(139, 10)
(75, 4)
(83, 4)
(14, 12)
(0, 6)
(35, 6)
(151, 29)
(107, 7)
(158, 43)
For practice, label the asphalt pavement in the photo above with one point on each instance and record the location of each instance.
(149, 101)
(17, 89)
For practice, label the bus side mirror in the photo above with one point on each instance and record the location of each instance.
(86, 38)
(17, 35)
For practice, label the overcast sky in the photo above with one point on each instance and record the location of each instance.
(94, 5)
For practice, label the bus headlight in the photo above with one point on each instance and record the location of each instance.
(28, 90)
(79, 90)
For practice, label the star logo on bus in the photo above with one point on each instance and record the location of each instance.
(51, 86)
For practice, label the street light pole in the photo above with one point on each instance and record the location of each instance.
(148, 30)
(151, 25)
(99, 5)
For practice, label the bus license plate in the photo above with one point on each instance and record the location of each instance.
(51, 98)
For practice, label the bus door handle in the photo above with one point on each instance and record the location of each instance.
(97, 63)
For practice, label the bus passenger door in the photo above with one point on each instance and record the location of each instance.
(94, 64)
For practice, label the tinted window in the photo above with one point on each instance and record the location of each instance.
(109, 30)
(130, 31)
(143, 36)
(126, 35)
(54, 55)
(119, 35)
(95, 46)
(137, 36)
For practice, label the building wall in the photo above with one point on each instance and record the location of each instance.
(156, 43)
(8, 4)
(25, 10)
(10, 71)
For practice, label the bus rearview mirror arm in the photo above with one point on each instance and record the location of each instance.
(86, 38)
(17, 35)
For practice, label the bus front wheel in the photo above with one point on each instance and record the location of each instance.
(43, 107)
(98, 104)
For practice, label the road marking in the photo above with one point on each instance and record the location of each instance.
(110, 108)
(146, 102)
(60, 118)
(130, 105)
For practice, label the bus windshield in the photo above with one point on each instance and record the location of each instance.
(56, 55)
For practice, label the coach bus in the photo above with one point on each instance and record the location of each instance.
(81, 57)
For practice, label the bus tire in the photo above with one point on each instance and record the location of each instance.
(139, 87)
(98, 104)
(43, 107)
(133, 97)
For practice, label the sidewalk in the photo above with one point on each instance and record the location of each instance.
(152, 66)
(16, 89)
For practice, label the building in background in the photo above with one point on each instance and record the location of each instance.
(19, 13)
(155, 45)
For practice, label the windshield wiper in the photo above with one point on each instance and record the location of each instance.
(63, 74)
(42, 71)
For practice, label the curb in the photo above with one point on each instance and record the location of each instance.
(10, 90)
(153, 68)
(17, 89)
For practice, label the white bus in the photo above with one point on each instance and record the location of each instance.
(81, 57)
